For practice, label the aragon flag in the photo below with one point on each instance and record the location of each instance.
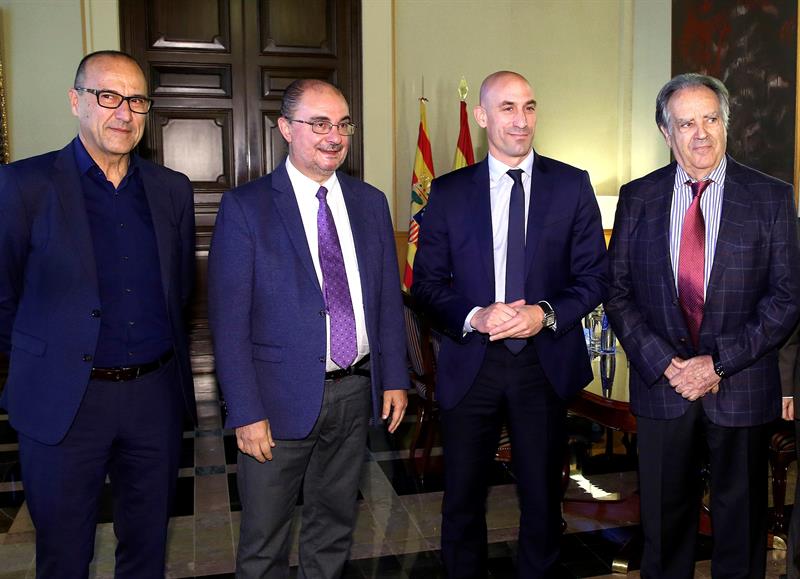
(420, 186)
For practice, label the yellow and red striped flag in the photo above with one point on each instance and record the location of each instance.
(420, 186)
(464, 154)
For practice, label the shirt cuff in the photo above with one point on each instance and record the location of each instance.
(468, 321)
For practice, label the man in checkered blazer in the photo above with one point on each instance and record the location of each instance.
(701, 314)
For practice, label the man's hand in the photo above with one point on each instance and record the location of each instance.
(395, 402)
(488, 318)
(256, 440)
(526, 322)
(673, 368)
(696, 377)
(787, 412)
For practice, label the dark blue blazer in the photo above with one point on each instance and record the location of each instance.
(751, 300)
(566, 265)
(48, 285)
(266, 307)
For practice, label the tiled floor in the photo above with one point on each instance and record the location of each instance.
(397, 534)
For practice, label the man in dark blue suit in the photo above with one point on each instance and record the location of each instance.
(306, 313)
(96, 262)
(511, 257)
(705, 278)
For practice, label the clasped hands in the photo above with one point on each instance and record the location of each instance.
(514, 320)
(693, 378)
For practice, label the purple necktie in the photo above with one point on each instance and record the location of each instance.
(344, 347)
(691, 263)
(515, 258)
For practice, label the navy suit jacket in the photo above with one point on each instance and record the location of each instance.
(566, 265)
(49, 296)
(266, 307)
(751, 301)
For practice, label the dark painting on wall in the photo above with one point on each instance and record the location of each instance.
(751, 46)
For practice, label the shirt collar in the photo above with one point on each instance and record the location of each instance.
(717, 175)
(301, 183)
(497, 168)
(85, 161)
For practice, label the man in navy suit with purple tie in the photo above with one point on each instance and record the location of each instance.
(306, 311)
(705, 282)
(511, 257)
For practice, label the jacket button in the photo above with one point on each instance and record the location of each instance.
(95, 313)
(322, 359)
(322, 313)
(87, 357)
(682, 340)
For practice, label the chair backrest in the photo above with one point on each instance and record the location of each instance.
(422, 343)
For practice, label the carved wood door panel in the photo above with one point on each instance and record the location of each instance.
(217, 70)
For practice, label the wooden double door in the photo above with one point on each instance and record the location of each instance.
(217, 70)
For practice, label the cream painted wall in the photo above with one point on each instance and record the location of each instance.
(582, 57)
(378, 97)
(42, 43)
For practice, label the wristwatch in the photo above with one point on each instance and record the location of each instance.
(549, 320)
(718, 369)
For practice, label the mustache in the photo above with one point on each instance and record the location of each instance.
(332, 148)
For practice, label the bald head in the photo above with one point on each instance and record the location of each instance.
(495, 79)
(295, 91)
(508, 113)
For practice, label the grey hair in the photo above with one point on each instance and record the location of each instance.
(295, 91)
(690, 80)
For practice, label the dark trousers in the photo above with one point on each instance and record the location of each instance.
(793, 548)
(514, 387)
(130, 431)
(328, 465)
(671, 455)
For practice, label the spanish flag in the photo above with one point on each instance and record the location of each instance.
(464, 154)
(420, 186)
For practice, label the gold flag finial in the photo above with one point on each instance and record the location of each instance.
(463, 89)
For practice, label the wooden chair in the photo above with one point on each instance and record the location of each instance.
(782, 452)
(422, 343)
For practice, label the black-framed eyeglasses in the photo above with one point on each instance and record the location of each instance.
(108, 99)
(324, 127)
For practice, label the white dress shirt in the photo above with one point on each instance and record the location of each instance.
(305, 191)
(710, 207)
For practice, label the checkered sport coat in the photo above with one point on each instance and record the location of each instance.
(752, 299)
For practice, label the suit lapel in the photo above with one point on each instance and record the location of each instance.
(286, 203)
(159, 201)
(67, 185)
(481, 201)
(660, 217)
(359, 222)
(541, 200)
(735, 210)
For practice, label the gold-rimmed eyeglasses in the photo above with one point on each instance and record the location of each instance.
(346, 129)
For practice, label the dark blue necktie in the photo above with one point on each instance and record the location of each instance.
(515, 257)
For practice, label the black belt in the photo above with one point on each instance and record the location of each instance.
(358, 369)
(125, 373)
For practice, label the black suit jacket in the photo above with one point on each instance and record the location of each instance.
(566, 265)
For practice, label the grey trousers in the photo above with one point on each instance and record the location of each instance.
(328, 465)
